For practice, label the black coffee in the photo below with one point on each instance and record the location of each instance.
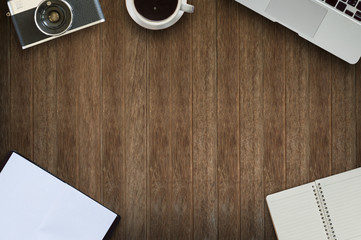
(156, 9)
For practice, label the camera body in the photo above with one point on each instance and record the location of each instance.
(38, 21)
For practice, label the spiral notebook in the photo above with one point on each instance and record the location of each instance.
(36, 205)
(329, 208)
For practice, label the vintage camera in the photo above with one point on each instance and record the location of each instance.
(40, 21)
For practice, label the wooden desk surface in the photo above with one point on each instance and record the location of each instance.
(183, 132)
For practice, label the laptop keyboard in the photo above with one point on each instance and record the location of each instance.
(351, 8)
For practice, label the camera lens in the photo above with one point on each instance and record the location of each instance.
(53, 17)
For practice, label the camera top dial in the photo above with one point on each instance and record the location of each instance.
(53, 17)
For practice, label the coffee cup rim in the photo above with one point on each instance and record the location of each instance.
(153, 24)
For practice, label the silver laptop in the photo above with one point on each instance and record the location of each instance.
(334, 25)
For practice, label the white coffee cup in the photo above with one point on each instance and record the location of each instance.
(159, 24)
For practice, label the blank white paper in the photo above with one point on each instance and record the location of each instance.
(34, 205)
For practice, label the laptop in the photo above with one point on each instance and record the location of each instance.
(334, 25)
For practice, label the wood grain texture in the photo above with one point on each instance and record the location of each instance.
(160, 164)
(21, 99)
(251, 125)
(274, 113)
(228, 164)
(205, 200)
(87, 51)
(5, 89)
(136, 131)
(320, 113)
(358, 113)
(184, 131)
(297, 111)
(343, 117)
(45, 106)
(181, 226)
(67, 103)
(113, 122)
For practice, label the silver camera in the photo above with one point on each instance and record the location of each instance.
(40, 21)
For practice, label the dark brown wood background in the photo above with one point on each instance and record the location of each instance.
(183, 132)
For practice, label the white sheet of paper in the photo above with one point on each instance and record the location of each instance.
(34, 205)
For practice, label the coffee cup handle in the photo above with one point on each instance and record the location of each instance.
(187, 8)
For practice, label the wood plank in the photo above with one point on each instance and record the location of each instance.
(228, 168)
(343, 116)
(124, 120)
(135, 77)
(67, 103)
(204, 56)
(320, 113)
(297, 110)
(87, 49)
(21, 87)
(358, 112)
(274, 113)
(160, 164)
(45, 110)
(169, 132)
(181, 225)
(113, 118)
(78, 101)
(5, 90)
(251, 125)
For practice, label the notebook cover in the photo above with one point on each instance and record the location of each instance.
(111, 229)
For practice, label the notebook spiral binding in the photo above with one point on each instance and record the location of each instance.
(324, 213)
